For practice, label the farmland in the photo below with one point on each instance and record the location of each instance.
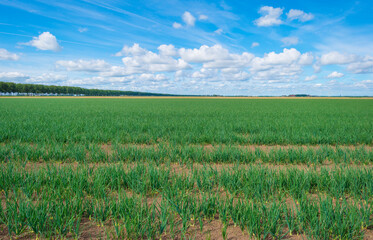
(193, 168)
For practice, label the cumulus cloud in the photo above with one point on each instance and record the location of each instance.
(135, 50)
(45, 78)
(364, 84)
(316, 68)
(287, 41)
(211, 63)
(287, 56)
(188, 18)
(12, 75)
(337, 58)
(139, 60)
(283, 66)
(364, 65)
(48, 78)
(215, 57)
(152, 77)
(310, 78)
(306, 59)
(167, 50)
(45, 41)
(5, 55)
(176, 25)
(203, 54)
(299, 15)
(115, 71)
(356, 64)
(95, 65)
(152, 62)
(270, 16)
(254, 44)
(202, 17)
(335, 75)
(205, 67)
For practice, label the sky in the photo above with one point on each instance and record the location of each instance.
(252, 48)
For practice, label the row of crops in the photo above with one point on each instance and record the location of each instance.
(149, 201)
(162, 153)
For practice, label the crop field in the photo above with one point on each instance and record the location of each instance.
(186, 168)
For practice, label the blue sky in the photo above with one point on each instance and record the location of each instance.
(191, 47)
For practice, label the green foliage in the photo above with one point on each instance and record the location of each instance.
(9, 87)
(161, 168)
(188, 121)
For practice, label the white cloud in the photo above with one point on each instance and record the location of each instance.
(45, 41)
(135, 50)
(239, 76)
(115, 71)
(152, 77)
(364, 84)
(203, 54)
(176, 25)
(152, 62)
(188, 18)
(335, 75)
(279, 67)
(364, 65)
(287, 41)
(82, 30)
(218, 31)
(300, 15)
(12, 75)
(337, 58)
(204, 73)
(270, 16)
(306, 59)
(5, 55)
(193, 69)
(45, 78)
(215, 57)
(202, 17)
(316, 68)
(288, 56)
(140, 60)
(48, 78)
(167, 50)
(94, 65)
(317, 85)
(254, 44)
(310, 78)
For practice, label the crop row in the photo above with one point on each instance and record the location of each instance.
(250, 182)
(176, 212)
(162, 153)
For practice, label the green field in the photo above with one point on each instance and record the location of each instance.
(186, 168)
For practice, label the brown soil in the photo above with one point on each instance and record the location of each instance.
(268, 148)
(368, 234)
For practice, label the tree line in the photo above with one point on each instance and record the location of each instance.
(10, 87)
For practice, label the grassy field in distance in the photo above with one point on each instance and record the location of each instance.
(186, 168)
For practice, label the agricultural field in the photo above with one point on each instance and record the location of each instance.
(186, 168)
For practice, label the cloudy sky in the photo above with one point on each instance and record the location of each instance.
(253, 47)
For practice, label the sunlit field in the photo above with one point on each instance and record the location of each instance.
(186, 168)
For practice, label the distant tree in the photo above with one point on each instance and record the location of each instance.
(38, 88)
